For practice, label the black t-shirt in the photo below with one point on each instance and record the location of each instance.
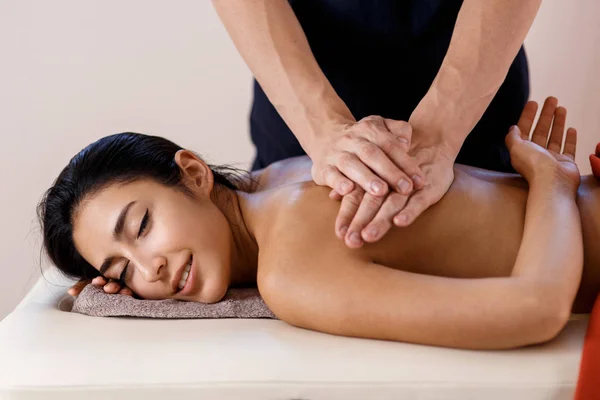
(381, 57)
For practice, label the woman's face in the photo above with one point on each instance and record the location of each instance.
(148, 234)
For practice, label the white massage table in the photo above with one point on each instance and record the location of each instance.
(47, 353)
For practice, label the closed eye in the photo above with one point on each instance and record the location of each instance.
(144, 223)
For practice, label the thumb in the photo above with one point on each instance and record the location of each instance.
(513, 137)
(400, 129)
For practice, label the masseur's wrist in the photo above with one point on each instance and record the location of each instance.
(433, 132)
(322, 131)
(435, 123)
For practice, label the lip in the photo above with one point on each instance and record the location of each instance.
(179, 274)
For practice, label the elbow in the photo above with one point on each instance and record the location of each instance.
(548, 315)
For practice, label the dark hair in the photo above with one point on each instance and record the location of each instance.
(119, 158)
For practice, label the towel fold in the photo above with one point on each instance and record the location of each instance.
(237, 303)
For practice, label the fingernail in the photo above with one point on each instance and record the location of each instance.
(355, 238)
(376, 186)
(343, 230)
(402, 140)
(404, 186)
(372, 232)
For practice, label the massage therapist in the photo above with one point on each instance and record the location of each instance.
(383, 96)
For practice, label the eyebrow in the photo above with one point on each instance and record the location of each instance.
(117, 233)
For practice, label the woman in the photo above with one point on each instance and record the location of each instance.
(141, 210)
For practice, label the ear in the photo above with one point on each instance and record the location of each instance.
(195, 171)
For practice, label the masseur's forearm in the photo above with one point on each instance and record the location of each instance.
(486, 39)
(270, 39)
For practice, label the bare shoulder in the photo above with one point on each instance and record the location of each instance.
(303, 222)
(283, 172)
(301, 238)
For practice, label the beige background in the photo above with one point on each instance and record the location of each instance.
(72, 71)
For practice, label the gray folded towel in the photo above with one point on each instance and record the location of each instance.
(237, 303)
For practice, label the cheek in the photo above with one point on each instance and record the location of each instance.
(207, 228)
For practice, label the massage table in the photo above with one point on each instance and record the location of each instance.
(48, 352)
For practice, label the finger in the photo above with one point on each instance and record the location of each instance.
(382, 222)
(353, 167)
(369, 206)
(514, 136)
(416, 204)
(558, 130)
(571, 143)
(527, 117)
(405, 174)
(348, 209)
(598, 149)
(333, 195)
(401, 130)
(112, 287)
(410, 166)
(381, 152)
(99, 281)
(78, 287)
(333, 178)
(540, 133)
(379, 162)
(126, 291)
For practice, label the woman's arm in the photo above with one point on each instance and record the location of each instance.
(309, 289)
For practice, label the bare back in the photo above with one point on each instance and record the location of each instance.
(475, 230)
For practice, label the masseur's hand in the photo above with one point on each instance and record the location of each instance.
(364, 217)
(110, 287)
(370, 153)
(374, 217)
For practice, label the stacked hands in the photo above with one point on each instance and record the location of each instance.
(375, 153)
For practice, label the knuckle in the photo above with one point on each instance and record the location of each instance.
(372, 202)
(396, 201)
(355, 201)
(369, 123)
(369, 149)
(347, 136)
(346, 159)
(351, 203)
(372, 122)
(325, 173)
(391, 146)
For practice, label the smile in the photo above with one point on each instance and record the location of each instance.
(186, 274)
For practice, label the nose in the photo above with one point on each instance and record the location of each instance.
(151, 268)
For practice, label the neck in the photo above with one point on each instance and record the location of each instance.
(238, 208)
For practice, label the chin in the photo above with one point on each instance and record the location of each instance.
(212, 292)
